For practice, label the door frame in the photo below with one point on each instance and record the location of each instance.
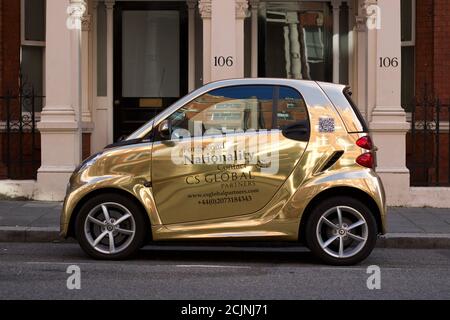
(121, 6)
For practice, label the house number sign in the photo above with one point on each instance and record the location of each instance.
(388, 62)
(221, 61)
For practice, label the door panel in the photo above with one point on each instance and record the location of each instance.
(150, 61)
(232, 157)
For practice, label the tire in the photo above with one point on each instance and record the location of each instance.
(323, 226)
(94, 233)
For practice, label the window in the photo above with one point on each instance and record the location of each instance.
(33, 46)
(241, 108)
(295, 40)
(408, 27)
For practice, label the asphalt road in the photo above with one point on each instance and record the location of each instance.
(38, 271)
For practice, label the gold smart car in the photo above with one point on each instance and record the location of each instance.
(246, 159)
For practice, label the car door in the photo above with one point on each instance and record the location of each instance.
(229, 152)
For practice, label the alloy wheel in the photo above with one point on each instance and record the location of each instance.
(342, 232)
(109, 228)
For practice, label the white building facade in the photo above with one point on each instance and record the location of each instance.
(111, 65)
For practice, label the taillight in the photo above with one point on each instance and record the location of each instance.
(366, 160)
(365, 143)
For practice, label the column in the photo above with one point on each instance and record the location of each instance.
(254, 4)
(336, 13)
(204, 7)
(241, 8)
(60, 124)
(388, 123)
(110, 64)
(85, 48)
(294, 45)
(351, 41)
(223, 40)
(191, 50)
(360, 61)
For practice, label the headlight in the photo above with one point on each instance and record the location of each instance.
(88, 162)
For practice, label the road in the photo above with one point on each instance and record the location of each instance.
(38, 271)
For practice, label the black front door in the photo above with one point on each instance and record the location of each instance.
(150, 61)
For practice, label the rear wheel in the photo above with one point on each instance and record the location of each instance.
(341, 231)
(110, 226)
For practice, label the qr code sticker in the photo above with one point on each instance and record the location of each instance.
(326, 124)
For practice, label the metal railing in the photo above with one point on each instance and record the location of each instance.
(19, 137)
(428, 142)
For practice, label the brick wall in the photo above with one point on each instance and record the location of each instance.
(10, 48)
(9, 64)
(433, 68)
(424, 43)
(433, 46)
(442, 48)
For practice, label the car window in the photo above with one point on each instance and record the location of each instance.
(291, 107)
(235, 108)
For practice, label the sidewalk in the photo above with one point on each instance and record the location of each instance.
(32, 221)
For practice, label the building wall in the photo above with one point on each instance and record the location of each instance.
(433, 46)
(10, 45)
(432, 70)
(9, 62)
(442, 48)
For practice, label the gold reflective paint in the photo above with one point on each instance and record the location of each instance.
(202, 199)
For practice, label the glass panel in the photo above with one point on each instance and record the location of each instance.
(32, 71)
(34, 20)
(227, 109)
(151, 54)
(297, 40)
(291, 107)
(241, 108)
(408, 78)
(101, 51)
(406, 13)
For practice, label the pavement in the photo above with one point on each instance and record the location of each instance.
(420, 228)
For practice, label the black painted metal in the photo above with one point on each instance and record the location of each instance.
(429, 142)
(21, 147)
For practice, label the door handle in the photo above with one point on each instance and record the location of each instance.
(116, 102)
(297, 131)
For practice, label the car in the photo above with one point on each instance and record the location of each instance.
(242, 159)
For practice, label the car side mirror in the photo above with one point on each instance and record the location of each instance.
(165, 129)
(121, 138)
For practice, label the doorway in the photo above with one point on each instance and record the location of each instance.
(150, 61)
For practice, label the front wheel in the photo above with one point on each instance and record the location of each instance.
(110, 226)
(341, 231)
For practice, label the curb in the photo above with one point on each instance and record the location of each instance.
(414, 241)
(29, 234)
(389, 240)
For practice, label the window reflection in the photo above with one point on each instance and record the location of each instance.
(297, 40)
(241, 108)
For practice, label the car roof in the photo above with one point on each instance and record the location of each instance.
(273, 81)
(304, 86)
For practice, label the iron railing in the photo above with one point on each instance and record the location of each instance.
(428, 142)
(20, 140)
